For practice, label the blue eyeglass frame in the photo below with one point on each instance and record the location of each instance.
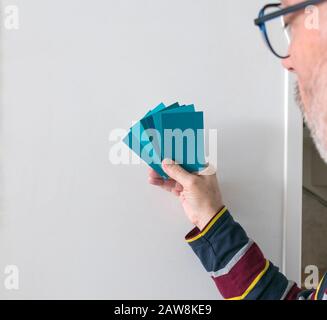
(262, 18)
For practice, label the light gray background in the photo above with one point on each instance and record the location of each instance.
(78, 226)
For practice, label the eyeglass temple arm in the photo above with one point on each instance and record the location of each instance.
(285, 11)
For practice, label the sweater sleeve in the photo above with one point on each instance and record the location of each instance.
(239, 268)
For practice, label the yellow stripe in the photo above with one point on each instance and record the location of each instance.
(207, 228)
(255, 281)
(317, 292)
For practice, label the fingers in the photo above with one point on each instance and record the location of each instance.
(161, 182)
(209, 170)
(172, 188)
(176, 193)
(154, 174)
(155, 178)
(176, 172)
(156, 181)
(169, 185)
(178, 187)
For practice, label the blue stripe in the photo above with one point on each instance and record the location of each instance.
(322, 288)
(220, 244)
(270, 287)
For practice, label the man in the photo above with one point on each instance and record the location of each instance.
(235, 263)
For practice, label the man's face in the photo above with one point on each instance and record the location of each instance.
(308, 60)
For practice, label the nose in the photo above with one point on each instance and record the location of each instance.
(288, 64)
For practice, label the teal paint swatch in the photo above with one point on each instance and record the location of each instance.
(175, 132)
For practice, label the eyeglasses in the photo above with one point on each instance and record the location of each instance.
(276, 33)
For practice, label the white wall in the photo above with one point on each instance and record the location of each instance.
(78, 226)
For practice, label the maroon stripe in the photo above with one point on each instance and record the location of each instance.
(292, 294)
(241, 276)
(194, 232)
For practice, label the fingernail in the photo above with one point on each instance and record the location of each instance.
(167, 162)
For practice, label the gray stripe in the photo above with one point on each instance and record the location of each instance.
(287, 290)
(233, 261)
(324, 297)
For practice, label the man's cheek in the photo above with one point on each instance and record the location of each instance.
(303, 63)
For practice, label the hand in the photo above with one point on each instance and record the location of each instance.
(199, 193)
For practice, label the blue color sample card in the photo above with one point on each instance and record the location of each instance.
(175, 132)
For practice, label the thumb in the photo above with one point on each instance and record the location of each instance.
(176, 172)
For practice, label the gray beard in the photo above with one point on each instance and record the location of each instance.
(316, 116)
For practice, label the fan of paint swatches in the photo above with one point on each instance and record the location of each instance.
(175, 132)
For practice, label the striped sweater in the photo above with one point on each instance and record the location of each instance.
(238, 267)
